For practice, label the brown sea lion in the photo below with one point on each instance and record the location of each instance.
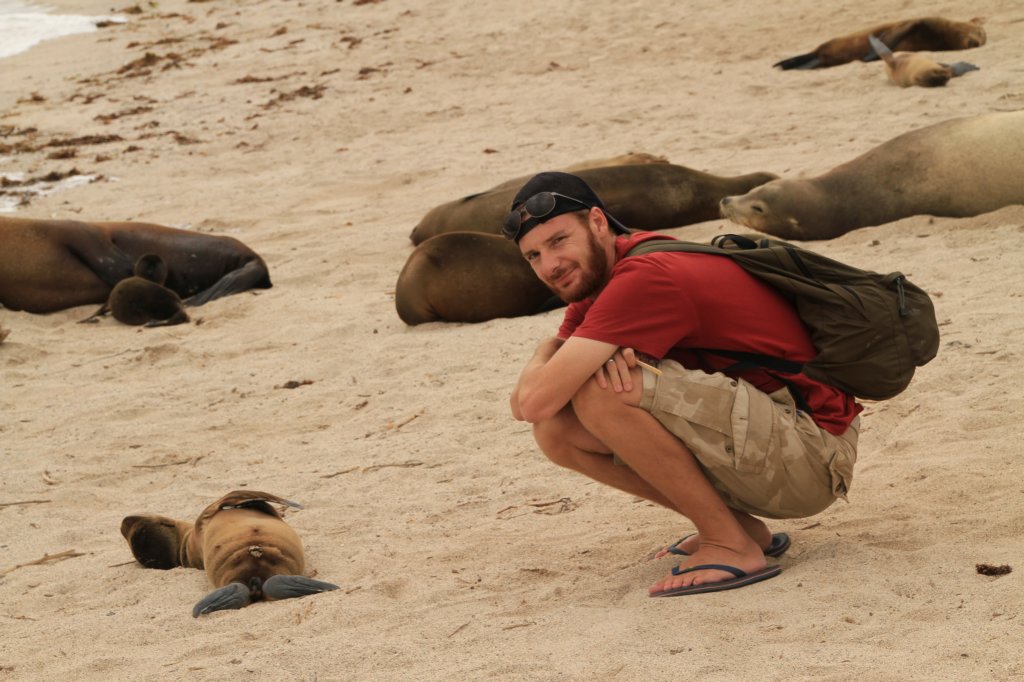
(653, 196)
(468, 277)
(628, 159)
(48, 265)
(247, 549)
(142, 299)
(912, 35)
(958, 168)
(912, 68)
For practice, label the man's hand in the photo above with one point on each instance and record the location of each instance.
(615, 372)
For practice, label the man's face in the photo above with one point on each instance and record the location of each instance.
(567, 256)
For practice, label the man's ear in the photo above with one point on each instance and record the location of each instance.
(598, 221)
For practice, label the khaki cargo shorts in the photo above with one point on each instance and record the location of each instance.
(763, 455)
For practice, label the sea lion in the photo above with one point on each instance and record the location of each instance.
(958, 168)
(247, 549)
(911, 68)
(142, 299)
(627, 159)
(468, 277)
(912, 35)
(49, 265)
(654, 196)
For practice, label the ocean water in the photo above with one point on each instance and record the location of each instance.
(24, 24)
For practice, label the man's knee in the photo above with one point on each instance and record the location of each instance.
(551, 436)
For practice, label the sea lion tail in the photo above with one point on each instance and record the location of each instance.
(289, 586)
(801, 61)
(231, 596)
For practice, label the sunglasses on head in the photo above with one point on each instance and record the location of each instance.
(537, 206)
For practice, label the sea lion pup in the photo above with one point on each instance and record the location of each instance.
(468, 277)
(958, 168)
(249, 552)
(49, 265)
(910, 68)
(927, 33)
(654, 196)
(142, 299)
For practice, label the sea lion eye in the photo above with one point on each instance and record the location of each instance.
(756, 208)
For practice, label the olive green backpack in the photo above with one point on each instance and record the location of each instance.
(870, 330)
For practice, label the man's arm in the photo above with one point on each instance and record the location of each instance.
(555, 373)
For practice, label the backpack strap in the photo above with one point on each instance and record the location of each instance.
(769, 364)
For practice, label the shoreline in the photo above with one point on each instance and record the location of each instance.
(25, 25)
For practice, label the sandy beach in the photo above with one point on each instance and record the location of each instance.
(318, 133)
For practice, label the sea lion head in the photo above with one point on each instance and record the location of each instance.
(151, 267)
(974, 34)
(764, 208)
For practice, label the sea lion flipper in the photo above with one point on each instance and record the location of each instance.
(98, 252)
(244, 499)
(960, 68)
(289, 586)
(879, 49)
(232, 596)
(239, 498)
(252, 275)
(179, 317)
(801, 61)
(95, 317)
(892, 35)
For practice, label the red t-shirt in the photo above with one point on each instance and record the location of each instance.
(663, 303)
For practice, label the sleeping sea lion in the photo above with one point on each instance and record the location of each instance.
(49, 265)
(142, 299)
(628, 159)
(469, 277)
(958, 168)
(912, 68)
(912, 35)
(247, 549)
(654, 196)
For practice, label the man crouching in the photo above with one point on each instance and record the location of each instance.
(628, 393)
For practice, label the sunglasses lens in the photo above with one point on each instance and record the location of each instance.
(512, 224)
(539, 205)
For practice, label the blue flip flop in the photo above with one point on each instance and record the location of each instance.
(742, 578)
(780, 543)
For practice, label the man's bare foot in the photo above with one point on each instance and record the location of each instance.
(748, 561)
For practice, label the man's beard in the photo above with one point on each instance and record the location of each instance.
(593, 274)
